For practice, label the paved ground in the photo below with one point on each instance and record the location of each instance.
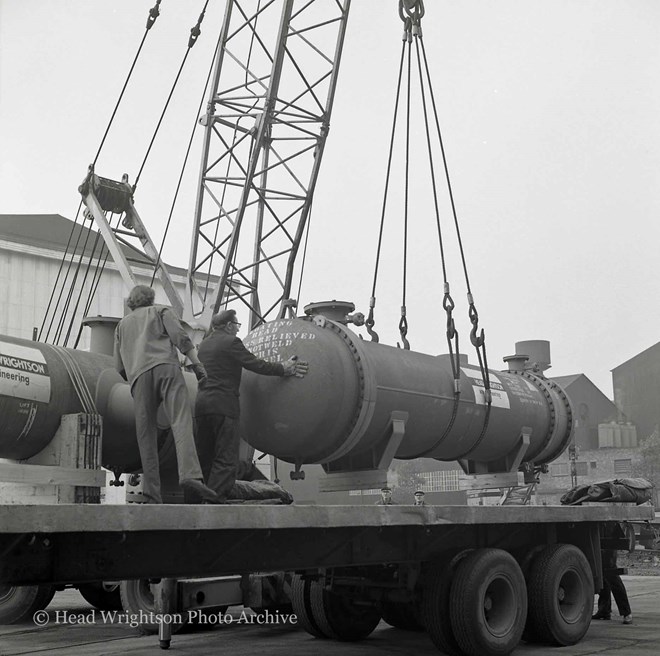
(65, 638)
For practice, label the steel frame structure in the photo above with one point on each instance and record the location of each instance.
(265, 126)
(266, 123)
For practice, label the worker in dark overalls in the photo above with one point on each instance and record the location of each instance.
(612, 585)
(217, 408)
(146, 342)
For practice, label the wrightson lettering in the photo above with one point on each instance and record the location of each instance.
(23, 365)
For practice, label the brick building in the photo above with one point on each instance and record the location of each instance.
(636, 384)
(605, 443)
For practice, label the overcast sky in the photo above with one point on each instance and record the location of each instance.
(551, 118)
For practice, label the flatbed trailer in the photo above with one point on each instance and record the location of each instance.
(475, 577)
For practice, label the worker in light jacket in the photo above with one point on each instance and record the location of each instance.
(217, 407)
(145, 351)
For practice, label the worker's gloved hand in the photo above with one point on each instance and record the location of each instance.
(200, 373)
(295, 367)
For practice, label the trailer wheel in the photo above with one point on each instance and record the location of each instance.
(339, 617)
(435, 602)
(488, 603)
(560, 588)
(137, 599)
(302, 606)
(401, 616)
(104, 596)
(20, 602)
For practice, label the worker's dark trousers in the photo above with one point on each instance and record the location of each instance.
(612, 584)
(217, 440)
(164, 383)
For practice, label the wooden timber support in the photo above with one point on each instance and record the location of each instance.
(68, 470)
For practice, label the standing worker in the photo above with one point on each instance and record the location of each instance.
(612, 585)
(217, 407)
(145, 355)
(385, 497)
(419, 498)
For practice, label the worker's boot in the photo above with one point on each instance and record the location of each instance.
(195, 489)
(602, 615)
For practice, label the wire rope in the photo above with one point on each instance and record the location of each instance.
(195, 31)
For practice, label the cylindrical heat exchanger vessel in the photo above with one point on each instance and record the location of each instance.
(40, 382)
(343, 406)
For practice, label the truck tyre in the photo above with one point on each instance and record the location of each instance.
(401, 615)
(137, 599)
(302, 606)
(19, 603)
(438, 577)
(560, 589)
(339, 617)
(103, 596)
(488, 603)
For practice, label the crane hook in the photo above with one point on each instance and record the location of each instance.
(411, 9)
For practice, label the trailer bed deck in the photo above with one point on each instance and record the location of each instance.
(76, 543)
(140, 518)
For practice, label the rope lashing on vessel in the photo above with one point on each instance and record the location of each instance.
(77, 380)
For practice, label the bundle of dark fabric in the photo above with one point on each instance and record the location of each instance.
(631, 490)
(262, 491)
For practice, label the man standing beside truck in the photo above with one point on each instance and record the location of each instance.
(217, 407)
